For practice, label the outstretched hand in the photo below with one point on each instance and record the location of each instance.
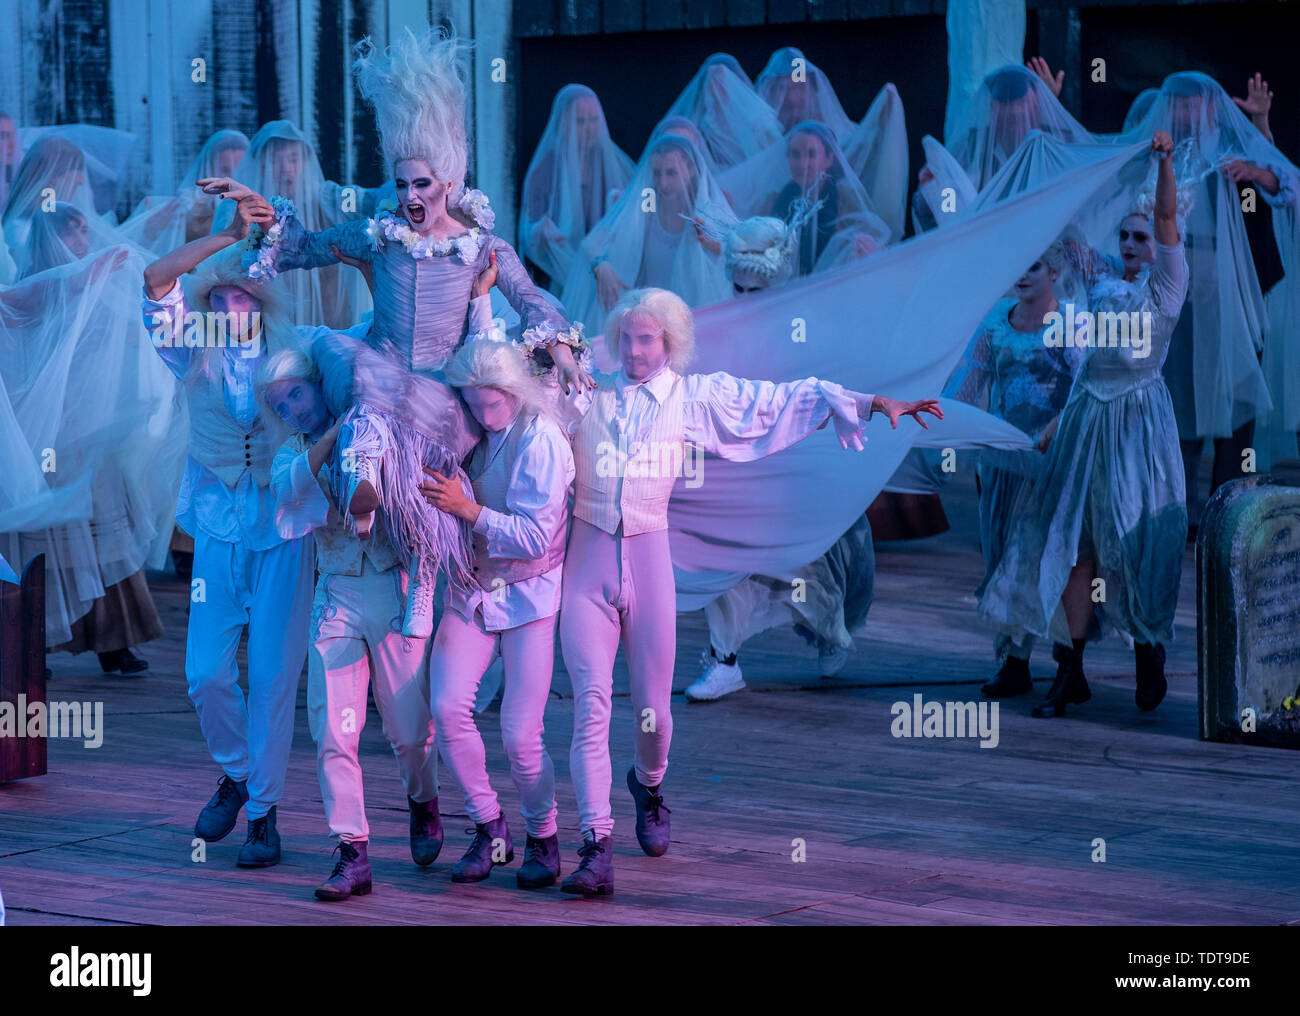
(895, 409)
(1258, 100)
(1040, 67)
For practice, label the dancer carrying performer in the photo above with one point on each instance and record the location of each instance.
(519, 510)
(424, 257)
(356, 641)
(629, 439)
(245, 572)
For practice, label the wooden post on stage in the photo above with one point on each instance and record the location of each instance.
(22, 667)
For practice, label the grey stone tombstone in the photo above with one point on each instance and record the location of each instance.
(1248, 614)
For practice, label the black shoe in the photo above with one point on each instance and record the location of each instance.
(1013, 679)
(221, 813)
(121, 661)
(351, 874)
(652, 830)
(490, 838)
(426, 831)
(541, 865)
(595, 875)
(262, 848)
(1069, 686)
(1151, 683)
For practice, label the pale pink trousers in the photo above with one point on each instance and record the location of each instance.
(358, 646)
(617, 588)
(462, 652)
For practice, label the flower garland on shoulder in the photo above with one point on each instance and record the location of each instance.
(262, 245)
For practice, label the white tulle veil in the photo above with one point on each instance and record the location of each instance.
(733, 120)
(575, 174)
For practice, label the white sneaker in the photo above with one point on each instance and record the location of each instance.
(832, 660)
(719, 679)
(363, 450)
(419, 606)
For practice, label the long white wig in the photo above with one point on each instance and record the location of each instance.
(666, 307)
(499, 364)
(418, 89)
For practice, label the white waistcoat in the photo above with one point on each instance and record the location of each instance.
(621, 480)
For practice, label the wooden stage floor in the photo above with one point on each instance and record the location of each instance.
(891, 831)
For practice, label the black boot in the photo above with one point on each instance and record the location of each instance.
(595, 875)
(351, 875)
(1069, 686)
(541, 865)
(221, 812)
(652, 829)
(489, 838)
(1013, 679)
(121, 661)
(426, 831)
(262, 848)
(1151, 683)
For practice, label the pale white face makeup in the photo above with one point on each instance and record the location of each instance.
(491, 407)
(421, 196)
(1036, 283)
(641, 346)
(1137, 244)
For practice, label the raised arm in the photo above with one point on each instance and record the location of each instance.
(541, 323)
(250, 207)
(1165, 215)
(744, 420)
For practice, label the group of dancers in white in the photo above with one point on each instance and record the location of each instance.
(397, 413)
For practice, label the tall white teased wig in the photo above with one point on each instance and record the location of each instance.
(666, 307)
(418, 89)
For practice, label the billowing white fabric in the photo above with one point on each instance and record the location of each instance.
(576, 174)
(93, 432)
(163, 223)
(1140, 108)
(982, 35)
(877, 150)
(735, 122)
(624, 235)
(1229, 316)
(684, 127)
(860, 325)
(281, 161)
(947, 195)
(1010, 102)
(776, 180)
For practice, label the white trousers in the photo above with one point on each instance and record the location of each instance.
(617, 588)
(270, 592)
(357, 644)
(462, 651)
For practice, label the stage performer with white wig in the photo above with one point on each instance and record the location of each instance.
(245, 573)
(424, 257)
(519, 510)
(630, 437)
